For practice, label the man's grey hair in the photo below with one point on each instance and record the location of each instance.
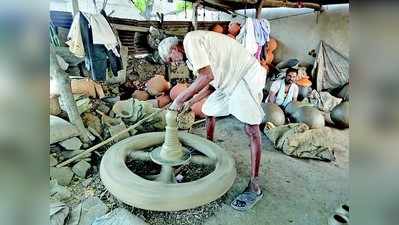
(165, 45)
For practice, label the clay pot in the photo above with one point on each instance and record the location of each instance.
(218, 28)
(272, 45)
(344, 92)
(273, 114)
(310, 116)
(141, 95)
(185, 120)
(163, 100)
(234, 29)
(338, 219)
(157, 85)
(304, 82)
(177, 89)
(303, 92)
(291, 108)
(340, 115)
(197, 109)
(269, 57)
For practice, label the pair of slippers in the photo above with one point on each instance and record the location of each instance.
(341, 216)
(246, 200)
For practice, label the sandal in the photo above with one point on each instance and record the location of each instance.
(246, 200)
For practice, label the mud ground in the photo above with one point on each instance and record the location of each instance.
(297, 191)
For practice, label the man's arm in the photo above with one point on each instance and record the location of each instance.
(272, 97)
(205, 76)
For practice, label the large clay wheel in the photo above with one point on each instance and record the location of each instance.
(164, 196)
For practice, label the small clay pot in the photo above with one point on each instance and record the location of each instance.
(340, 115)
(177, 89)
(163, 100)
(141, 95)
(310, 116)
(272, 45)
(197, 109)
(157, 85)
(273, 114)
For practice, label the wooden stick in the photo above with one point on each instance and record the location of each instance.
(110, 139)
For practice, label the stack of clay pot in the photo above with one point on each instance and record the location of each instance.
(141, 95)
(157, 85)
(158, 88)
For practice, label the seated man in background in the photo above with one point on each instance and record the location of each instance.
(285, 90)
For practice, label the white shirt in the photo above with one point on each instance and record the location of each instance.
(283, 99)
(238, 77)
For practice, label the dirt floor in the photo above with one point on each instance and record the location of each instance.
(297, 191)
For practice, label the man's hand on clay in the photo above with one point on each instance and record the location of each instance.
(176, 106)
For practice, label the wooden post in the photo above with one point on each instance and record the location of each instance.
(64, 87)
(195, 15)
(75, 7)
(259, 5)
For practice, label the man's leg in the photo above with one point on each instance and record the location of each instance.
(252, 193)
(253, 133)
(210, 127)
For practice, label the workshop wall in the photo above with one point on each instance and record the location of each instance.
(297, 35)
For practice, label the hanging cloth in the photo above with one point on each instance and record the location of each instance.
(262, 31)
(247, 36)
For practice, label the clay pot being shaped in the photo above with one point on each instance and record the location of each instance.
(157, 85)
(273, 114)
(218, 28)
(272, 45)
(141, 95)
(163, 100)
(340, 115)
(177, 89)
(197, 109)
(234, 29)
(310, 116)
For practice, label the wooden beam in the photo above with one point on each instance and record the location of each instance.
(259, 6)
(275, 3)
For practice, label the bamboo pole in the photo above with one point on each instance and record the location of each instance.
(111, 138)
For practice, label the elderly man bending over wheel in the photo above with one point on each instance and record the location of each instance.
(234, 81)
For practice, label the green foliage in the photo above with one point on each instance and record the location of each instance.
(140, 5)
(180, 6)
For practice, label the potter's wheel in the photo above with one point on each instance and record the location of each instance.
(161, 192)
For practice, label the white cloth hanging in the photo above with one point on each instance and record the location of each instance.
(102, 32)
(75, 41)
(247, 36)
